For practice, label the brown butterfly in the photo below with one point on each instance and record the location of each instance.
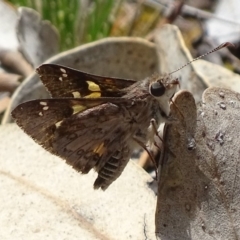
(96, 122)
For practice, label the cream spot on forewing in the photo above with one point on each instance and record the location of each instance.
(40, 114)
(43, 103)
(45, 108)
(58, 124)
(76, 94)
(64, 75)
(60, 78)
(62, 70)
(93, 86)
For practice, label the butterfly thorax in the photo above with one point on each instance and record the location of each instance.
(143, 106)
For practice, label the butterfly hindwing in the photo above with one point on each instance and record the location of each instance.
(63, 81)
(85, 138)
(95, 139)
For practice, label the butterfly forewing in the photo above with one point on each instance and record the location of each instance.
(62, 81)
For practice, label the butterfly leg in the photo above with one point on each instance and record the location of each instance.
(140, 143)
(154, 128)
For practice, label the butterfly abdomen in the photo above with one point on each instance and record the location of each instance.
(113, 167)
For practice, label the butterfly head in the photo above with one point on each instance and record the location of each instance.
(163, 89)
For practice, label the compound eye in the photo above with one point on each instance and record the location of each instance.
(157, 89)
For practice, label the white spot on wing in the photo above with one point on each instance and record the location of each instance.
(45, 108)
(43, 103)
(60, 78)
(40, 114)
(64, 75)
(62, 70)
(58, 124)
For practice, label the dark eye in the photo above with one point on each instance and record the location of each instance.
(157, 89)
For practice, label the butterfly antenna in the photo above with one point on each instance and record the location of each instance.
(223, 45)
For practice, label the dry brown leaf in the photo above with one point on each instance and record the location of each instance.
(199, 190)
